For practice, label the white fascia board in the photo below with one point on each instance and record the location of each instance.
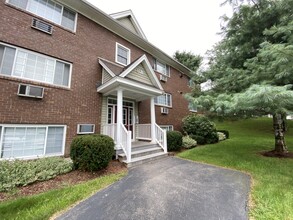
(106, 68)
(119, 81)
(143, 59)
(127, 13)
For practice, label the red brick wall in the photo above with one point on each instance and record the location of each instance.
(80, 103)
(177, 86)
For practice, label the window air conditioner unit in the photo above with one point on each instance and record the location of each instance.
(164, 110)
(163, 78)
(30, 91)
(42, 26)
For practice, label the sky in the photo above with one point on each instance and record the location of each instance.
(185, 25)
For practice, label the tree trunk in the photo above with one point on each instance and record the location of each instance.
(279, 129)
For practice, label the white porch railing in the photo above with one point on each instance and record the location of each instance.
(143, 132)
(161, 137)
(110, 130)
(126, 142)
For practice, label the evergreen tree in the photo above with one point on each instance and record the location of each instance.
(251, 68)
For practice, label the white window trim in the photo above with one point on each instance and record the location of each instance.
(91, 132)
(128, 55)
(59, 24)
(167, 126)
(191, 110)
(41, 55)
(167, 67)
(34, 126)
(170, 106)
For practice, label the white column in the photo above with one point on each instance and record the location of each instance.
(119, 115)
(153, 119)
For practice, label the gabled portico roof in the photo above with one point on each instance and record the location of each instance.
(133, 88)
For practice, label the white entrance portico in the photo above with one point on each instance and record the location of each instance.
(136, 82)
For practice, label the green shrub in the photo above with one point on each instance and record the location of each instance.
(225, 132)
(199, 139)
(23, 172)
(221, 136)
(91, 152)
(174, 140)
(188, 142)
(201, 129)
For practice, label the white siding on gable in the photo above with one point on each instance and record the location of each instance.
(139, 74)
(128, 24)
(106, 76)
(104, 111)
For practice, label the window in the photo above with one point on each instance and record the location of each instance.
(85, 128)
(167, 127)
(164, 100)
(192, 107)
(162, 68)
(21, 141)
(25, 64)
(122, 54)
(49, 10)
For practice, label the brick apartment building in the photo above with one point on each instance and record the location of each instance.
(67, 68)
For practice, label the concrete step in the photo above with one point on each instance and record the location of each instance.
(143, 147)
(144, 159)
(141, 152)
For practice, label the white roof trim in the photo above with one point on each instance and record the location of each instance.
(106, 68)
(126, 82)
(151, 73)
(129, 13)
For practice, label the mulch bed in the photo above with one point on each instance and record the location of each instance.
(276, 154)
(72, 178)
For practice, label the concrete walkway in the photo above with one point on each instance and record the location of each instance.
(169, 189)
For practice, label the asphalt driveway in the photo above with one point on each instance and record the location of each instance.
(168, 189)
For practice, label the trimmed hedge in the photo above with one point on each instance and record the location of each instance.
(174, 140)
(24, 172)
(91, 152)
(199, 128)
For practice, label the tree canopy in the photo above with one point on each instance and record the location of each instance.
(251, 69)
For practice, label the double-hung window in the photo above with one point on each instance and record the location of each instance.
(20, 141)
(122, 54)
(162, 68)
(24, 64)
(49, 10)
(164, 100)
(192, 107)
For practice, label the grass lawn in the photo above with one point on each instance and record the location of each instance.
(44, 205)
(272, 189)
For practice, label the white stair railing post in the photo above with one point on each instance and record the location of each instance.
(128, 147)
(165, 141)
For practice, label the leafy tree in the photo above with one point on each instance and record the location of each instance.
(251, 68)
(188, 59)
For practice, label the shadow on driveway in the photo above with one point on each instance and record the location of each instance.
(167, 189)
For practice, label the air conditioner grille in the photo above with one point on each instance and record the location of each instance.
(30, 91)
(42, 26)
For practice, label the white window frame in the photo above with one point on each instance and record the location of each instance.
(128, 54)
(45, 144)
(165, 94)
(167, 68)
(167, 127)
(60, 24)
(191, 107)
(91, 132)
(40, 55)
